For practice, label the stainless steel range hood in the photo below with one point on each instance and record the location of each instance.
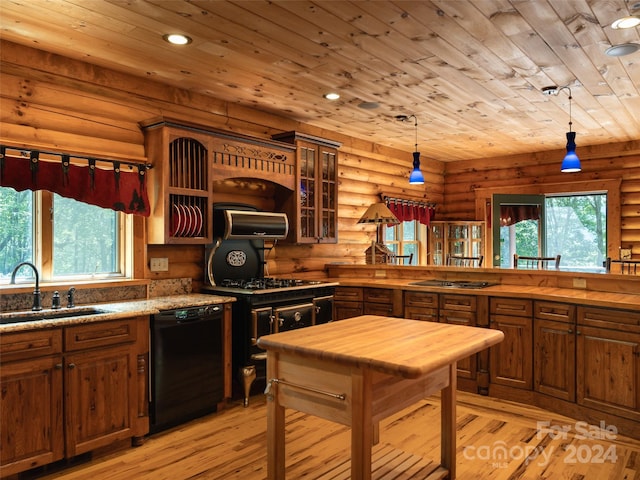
(248, 225)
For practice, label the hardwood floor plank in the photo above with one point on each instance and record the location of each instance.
(231, 444)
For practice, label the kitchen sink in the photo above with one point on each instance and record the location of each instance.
(20, 317)
(453, 284)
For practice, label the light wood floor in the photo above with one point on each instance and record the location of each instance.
(231, 445)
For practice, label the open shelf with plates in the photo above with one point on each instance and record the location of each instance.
(179, 186)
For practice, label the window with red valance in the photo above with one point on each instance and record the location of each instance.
(409, 210)
(119, 186)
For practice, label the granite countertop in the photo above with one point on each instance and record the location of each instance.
(14, 321)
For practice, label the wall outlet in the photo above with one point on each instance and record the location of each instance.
(579, 283)
(159, 264)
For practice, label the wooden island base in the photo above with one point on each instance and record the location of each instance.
(359, 371)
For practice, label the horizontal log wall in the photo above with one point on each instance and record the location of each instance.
(619, 161)
(58, 103)
(49, 101)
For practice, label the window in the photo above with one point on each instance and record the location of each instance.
(405, 239)
(64, 238)
(572, 225)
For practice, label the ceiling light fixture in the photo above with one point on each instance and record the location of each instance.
(368, 105)
(571, 162)
(177, 39)
(331, 96)
(416, 177)
(622, 49)
(626, 22)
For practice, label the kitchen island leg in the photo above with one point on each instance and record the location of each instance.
(275, 425)
(448, 420)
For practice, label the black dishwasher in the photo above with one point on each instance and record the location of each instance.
(187, 378)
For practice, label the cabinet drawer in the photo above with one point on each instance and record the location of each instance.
(31, 344)
(511, 306)
(421, 299)
(626, 320)
(458, 317)
(559, 312)
(344, 310)
(378, 295)
(383, 309)
(348, 294)
(100, 334)
(419, 313)
(465, 303)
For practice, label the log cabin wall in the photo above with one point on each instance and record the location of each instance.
(50, 101)
(529, 174)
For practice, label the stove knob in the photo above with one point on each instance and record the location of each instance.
(297, 316)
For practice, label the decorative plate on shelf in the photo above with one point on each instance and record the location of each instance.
(176, 222)
(186, 213)
(197, 230)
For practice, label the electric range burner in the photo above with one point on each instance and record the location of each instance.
(266, 283)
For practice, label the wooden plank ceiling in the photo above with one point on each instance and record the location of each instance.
(470, 71)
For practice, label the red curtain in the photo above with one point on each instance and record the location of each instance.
(123, 191)
(407, 210)
(512, 214)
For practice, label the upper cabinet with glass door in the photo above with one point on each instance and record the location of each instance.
(458, 239)
(313, 208)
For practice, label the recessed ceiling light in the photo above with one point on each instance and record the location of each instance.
(331, 96)
(622, 49)
(177, 39)
(369, 105)
(626, 22)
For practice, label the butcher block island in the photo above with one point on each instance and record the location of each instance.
(359, 371)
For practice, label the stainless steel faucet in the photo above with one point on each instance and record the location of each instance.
(37, 297)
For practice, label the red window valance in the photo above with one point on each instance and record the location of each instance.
(106, 186)
(512, 214)
(409, 210)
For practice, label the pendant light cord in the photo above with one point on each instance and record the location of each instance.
(570, 98)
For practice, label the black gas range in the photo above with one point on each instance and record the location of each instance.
(262, 311)
(235, 267)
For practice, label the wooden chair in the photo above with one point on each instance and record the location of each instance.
(626, 266)
(401, 259)
(457, 261)
(536, 263)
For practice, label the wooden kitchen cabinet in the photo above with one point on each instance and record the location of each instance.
(313, 207)
(421, 306)
(31, 411)
(462, 239)
(57, 403)
(554, 350)
(461, 310)
(511, 361)
(378, 301)
(608, 360)
(347, 302)
(100, 384)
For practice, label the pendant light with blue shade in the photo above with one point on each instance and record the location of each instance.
(416, 177)
(570, 162)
